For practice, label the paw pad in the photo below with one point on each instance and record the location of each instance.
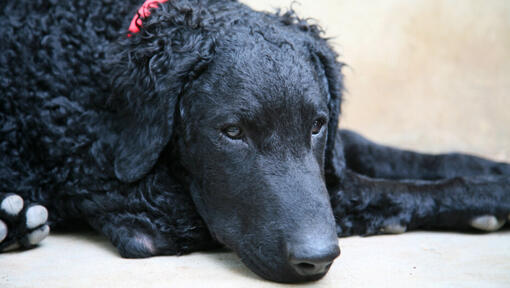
(487, 223)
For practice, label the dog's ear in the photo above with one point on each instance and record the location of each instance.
(149, 70)
(329, 73)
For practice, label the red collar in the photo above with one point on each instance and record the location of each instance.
(143, 12)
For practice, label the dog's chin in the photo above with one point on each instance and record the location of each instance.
(275, 269)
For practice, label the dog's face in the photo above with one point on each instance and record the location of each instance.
(252, 110)
(254, 130)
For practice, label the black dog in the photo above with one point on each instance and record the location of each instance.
(213, 124)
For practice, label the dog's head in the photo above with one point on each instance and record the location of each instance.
(253, 105)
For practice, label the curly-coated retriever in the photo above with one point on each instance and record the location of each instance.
(206, 124)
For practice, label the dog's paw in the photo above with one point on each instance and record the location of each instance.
(488, 223)
(137, 246)
(21, 226)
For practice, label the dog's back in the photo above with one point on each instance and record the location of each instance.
(50, 77)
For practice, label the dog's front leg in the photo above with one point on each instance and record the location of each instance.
(369, 206)
(153, 216)
(380, 161)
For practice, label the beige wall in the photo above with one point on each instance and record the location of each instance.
(432, 75)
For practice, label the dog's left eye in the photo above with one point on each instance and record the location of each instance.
(317, 126)
(233, 132)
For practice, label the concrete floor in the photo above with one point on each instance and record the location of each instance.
(430, 75)
(415, 259)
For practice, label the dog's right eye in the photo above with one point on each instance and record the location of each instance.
(317, 126)
(233, 132)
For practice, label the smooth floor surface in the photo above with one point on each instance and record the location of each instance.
(415, 259)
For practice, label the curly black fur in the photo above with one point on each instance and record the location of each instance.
(98, 127)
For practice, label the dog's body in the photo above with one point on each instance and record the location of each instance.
(210, 108)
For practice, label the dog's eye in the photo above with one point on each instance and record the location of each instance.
(233, 132)
(317, 126)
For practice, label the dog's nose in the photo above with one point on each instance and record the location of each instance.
(311, 260)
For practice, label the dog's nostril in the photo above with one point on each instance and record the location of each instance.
(306, 266)
(313, 264)
(311, 269)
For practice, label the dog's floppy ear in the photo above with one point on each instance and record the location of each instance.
(149, 70)
(329, 72)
